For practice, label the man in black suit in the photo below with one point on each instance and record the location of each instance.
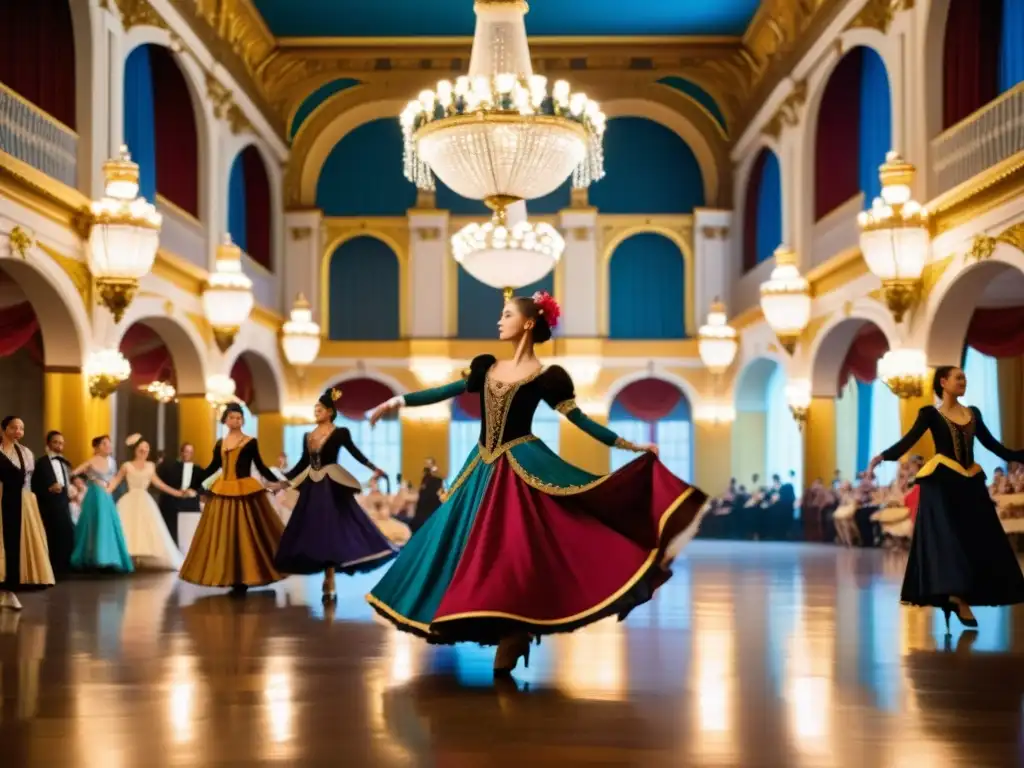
(50, 483)
(182, 475)
(430, 495)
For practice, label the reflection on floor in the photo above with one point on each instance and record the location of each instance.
(753, 655)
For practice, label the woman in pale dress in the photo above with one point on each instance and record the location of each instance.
(145, 533)
(24, 557)
(403, 503)
(378, 507)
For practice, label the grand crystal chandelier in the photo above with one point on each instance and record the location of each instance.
(500, 133)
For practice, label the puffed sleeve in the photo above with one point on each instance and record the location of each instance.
(559, 392)
(476, 374)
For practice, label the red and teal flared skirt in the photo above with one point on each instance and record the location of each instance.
(526, 542)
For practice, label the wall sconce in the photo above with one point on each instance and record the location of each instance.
(432, 371)
(715, 413)
(220, 390)
(104, 370)
(297, 413)
(798, 397)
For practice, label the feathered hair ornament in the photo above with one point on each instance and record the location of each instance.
(548, 307)
(132, 440)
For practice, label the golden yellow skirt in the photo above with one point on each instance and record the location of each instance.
(235, 543)
(33, 556)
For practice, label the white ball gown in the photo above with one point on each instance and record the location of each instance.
(145, 533)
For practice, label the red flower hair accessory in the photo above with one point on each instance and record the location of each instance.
(548, 307)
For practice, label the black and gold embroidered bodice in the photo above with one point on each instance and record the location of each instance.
(327, 453)
(507, 408)
(952, 441)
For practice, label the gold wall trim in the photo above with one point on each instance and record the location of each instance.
(40, 193)
(179, 272)
(836, 272)
(537, 42)
(267, 318)
(989, 189)
(178, 211)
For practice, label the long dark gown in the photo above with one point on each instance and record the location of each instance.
(959, 547)
(24, 556)
(328, 528)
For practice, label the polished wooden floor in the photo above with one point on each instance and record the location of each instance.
(753, 655)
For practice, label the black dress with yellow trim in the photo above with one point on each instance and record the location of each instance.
(526, 542)
(959, 547)
(239, 530)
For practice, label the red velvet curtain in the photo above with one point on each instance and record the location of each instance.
(997, 332)
(257, 207)
(750, 212)
(245, 388)
(837, 142)
(649, 399)
(469, 404)
(360, 395)
(37, 54)
(970, 58)
(20, 327)
(862, 358)
(177, 141)
(149, 356)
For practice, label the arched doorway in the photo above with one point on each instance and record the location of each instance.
(161, 354)
(21, 362)
(654, 411)
(867, 412)
(769, 441)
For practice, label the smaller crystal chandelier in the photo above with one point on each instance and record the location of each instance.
(105, 370)
(124, 235)
(716, 340)
(786, 299)
(904, 371)
(227, 300)
(894, 236)
(220, 390)
(507, 256)
(297, 413)
(300, 336)
(161, 391)
(798, 397)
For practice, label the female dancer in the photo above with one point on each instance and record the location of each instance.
(328, 530)
(960, 555)
(239, 530)
(145, 532)
(99, 538)
(24, 558)
(525, 543)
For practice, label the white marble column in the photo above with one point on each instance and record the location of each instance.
(580, 272)
(713, 248)
(432, 289)
(303, 255)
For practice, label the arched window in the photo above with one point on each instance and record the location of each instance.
(160, 127)
(654, 411)
(362, 176)
(647, 289)
(463, 432)
(364, 291)
(649, 169)
(249, 211)
(854, 131)
(762, 212)
(982, 374)
(784, 449)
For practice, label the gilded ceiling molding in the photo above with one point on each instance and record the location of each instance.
(879, 14)
(136, 13)
(788, 113)
(985, 245)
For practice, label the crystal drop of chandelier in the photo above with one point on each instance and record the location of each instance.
(501, 133)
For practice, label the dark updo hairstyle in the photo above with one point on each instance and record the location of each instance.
(231, 408)
(942, 372)
(327, 400)
(7, 422)
(97, 440)
(541, 330)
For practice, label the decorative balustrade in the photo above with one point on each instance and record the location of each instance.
(989, 136)
(32, 136)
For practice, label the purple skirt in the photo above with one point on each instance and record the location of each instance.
(328, 529)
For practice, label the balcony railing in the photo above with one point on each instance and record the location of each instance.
(989, 136)
(32, 136)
